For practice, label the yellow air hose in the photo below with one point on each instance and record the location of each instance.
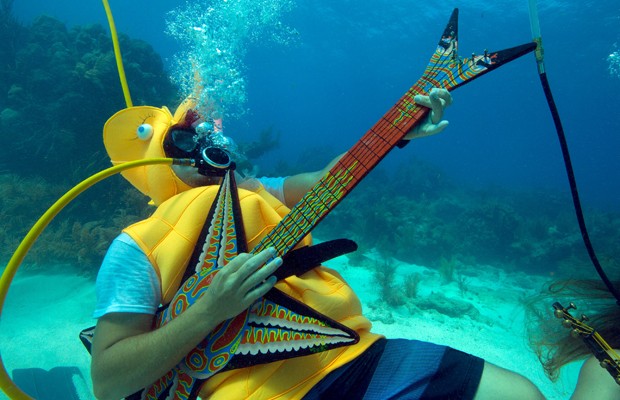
(117, 54)
(6, 384)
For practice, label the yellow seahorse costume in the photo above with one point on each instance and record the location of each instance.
(168, 238)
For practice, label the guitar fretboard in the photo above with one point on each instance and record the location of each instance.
(345, 175)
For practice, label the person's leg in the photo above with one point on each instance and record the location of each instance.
(499, 383)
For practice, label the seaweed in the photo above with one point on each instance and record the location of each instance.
(462, 283)
(384, 277)
(447, 269)
(73, 237)
(411, 284)
(268, 140)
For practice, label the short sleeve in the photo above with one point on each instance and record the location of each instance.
(127, 282)
(275, 186)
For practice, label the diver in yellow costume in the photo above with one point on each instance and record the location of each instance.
(143, 269)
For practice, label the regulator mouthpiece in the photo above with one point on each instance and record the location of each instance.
(212, 152)
(214, 161)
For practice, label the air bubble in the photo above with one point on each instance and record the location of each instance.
(215, 39)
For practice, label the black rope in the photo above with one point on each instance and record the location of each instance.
(573, 187)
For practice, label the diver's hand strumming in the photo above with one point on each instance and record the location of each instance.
(437, 100)
(244, 280)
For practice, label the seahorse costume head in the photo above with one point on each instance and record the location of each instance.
(124, 143)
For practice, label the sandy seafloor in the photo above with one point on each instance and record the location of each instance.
(44, 313)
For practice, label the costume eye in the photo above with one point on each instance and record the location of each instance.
(145, 132)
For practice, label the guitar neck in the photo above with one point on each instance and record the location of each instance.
(345, 175)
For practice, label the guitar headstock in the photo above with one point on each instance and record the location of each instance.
(606, 356)
(578, 327)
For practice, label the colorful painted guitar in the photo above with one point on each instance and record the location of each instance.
(606, 356)
(279, 327)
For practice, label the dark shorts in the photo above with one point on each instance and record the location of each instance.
(403, 369)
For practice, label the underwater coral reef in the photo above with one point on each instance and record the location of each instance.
(58, 87)
(79, 235)
(441, 224)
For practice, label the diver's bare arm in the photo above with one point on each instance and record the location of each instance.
(296, 186)
(140, 356)
(128, 355)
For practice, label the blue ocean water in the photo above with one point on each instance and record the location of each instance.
(353, 60)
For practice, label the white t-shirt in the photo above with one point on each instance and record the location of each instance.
(127, 281)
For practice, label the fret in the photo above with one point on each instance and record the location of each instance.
(358, 161)
(324, 192)
(377, 145)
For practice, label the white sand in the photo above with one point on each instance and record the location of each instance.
(41, 320)
(45, 312)
(497, 334)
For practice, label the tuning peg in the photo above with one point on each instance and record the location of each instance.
(575, 333)
(561, 311)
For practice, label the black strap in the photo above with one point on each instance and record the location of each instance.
(299, 261)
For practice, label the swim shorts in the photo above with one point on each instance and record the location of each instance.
(403, 369)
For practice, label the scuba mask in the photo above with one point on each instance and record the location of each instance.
(211, 152)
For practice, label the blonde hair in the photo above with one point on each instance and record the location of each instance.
(551, 341)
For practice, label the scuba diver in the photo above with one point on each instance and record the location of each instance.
(144, 264)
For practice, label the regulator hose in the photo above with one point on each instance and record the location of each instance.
(539, 53)
(6, 383)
